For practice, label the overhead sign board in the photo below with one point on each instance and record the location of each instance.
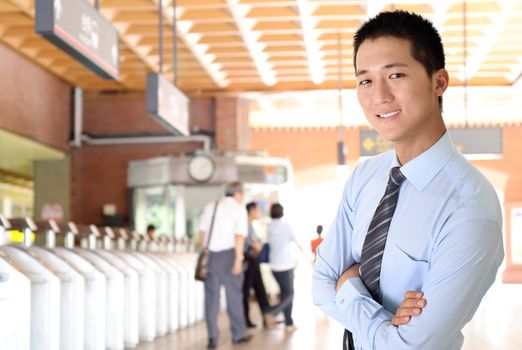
(475, 143)
(263, 174)
(167, 104)
(80, 30)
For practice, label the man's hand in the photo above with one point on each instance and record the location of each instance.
(352, 271)
(412, 305)
(201, 240)
(237, 267)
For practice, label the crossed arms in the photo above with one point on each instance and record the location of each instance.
(462, 267)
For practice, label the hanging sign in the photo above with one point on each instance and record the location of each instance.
(80, 30)
(167, 104)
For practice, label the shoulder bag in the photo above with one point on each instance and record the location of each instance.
(202, 264)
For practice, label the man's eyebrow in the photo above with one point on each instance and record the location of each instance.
(388, 66)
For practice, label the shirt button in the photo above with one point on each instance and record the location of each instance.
(342, 301)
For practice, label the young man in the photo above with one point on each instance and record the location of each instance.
(253, 277)
(417, 240)
(225, 264)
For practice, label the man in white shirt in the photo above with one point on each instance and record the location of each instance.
(225, 261)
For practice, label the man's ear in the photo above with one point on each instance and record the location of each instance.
(441, 81)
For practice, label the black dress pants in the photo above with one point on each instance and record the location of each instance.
(253, 280)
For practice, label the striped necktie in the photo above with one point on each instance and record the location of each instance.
(375, 241)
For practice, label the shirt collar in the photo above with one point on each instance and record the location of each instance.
(423, 168)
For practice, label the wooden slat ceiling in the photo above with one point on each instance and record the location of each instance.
(278, 45)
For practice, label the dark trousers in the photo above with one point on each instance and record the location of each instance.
(219, 267)
(285, 279)
(253, 280)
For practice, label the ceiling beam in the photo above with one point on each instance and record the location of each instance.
(198, 51)
(312, 47)
(255, 49)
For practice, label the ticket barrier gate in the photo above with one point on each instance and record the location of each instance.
(131, 326)
(72, 284)
(94, 297)
(44, 296)
(129, 275)
(146, 293)
(15, 301)
(114, 339)
(161, 288)
(184, 302)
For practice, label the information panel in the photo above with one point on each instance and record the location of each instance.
(167, 104)
(80, 30)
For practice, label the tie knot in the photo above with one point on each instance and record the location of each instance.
(396, 176)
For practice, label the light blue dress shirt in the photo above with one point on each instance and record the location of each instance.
(445, 239)
(279, 237)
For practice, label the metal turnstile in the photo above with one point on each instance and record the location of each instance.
(114, 281)
(45, 299)
(94, 298)
(131, 327)
(15, 301)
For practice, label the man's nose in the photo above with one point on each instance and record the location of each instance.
(382, 92)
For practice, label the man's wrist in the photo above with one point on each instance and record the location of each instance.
(240, 258)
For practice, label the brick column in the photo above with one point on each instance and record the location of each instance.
(232, 129)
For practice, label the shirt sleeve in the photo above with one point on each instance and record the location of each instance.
(462, 268)
(254, 238)
(333, 258)
(241, 227)
(206, 216)
(291, 234)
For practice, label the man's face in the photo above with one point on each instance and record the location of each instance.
(255, 213)
(397, 96)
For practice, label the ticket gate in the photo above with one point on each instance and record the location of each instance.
(101, 296)
(131, 330)
(114, 339)
(15, 301)
(72, 284)
(45, 299)
(94, 298)
(146, 294)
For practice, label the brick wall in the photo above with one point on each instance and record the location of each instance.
(100, 172)
(100, 176)
(306, 147)
(33, 102)
(232, 128)
(127, 115)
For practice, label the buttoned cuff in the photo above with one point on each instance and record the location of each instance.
(354, 291)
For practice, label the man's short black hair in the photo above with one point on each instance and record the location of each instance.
(276, 211)
(251, 206)
(425, 42)
(151, 228)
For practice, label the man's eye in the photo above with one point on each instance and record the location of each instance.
(364, 82)
(396, 75)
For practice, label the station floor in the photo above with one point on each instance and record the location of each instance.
(497, 325)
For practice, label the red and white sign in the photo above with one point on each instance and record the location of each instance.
(52, 211)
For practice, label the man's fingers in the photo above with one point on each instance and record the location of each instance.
(399, 321)
(415, 294)
(413, 303)
(408, 311)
